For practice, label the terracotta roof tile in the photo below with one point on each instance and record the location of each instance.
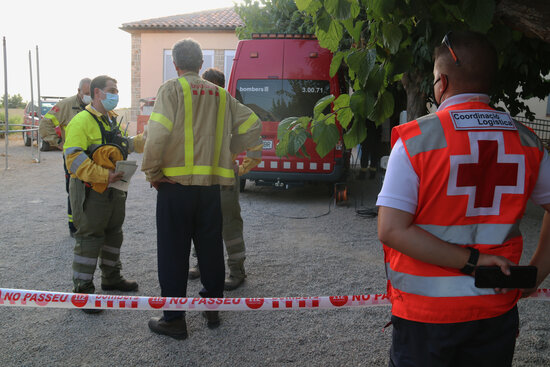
(225, 18)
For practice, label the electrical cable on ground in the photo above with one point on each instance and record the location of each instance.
(295, 217)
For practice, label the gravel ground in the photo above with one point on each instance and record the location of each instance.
(335, 254)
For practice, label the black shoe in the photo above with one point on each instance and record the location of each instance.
(212, 319)
(123, 286)
(194, 272)
(71, 233)
(92, 311)
(176, 329)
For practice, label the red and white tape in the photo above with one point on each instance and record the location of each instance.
(30, 298)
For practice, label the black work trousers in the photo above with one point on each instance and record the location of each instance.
(186, 213)
(370, 147)
(480, 343)
(72, 227)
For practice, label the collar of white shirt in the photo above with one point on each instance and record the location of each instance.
(463, 98)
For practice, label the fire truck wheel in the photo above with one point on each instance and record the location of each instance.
(242, 184)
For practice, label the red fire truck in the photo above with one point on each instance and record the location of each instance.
(280, 76)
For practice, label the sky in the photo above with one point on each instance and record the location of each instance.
(77, 39)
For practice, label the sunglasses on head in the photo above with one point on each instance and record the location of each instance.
(447, 42)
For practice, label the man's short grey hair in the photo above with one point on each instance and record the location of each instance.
(84, 81)
(187, 55)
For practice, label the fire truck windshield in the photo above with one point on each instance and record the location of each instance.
(275, 100)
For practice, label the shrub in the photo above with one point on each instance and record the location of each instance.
(13, 120)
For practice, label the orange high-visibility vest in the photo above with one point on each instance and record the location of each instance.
(477, 168)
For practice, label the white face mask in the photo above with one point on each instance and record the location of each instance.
(86, 99)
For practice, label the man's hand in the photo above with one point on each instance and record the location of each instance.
(114, 177)
(528, 292)
(156, 184)
(541, 258)
(493, 260)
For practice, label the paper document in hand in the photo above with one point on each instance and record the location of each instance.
(128, 168)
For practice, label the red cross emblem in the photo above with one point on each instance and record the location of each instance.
(486, 174)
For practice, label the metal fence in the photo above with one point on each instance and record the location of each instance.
(540, 126)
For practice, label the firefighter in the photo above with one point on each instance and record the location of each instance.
(231, 210)
(93, 144)
(454, 193)
(370, 151)
(60, 115)
(194, 130)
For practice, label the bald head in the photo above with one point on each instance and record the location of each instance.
(477, 62)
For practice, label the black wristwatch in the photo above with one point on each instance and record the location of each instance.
(472, 261)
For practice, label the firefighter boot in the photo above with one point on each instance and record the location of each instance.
(235, 278)
(212, 319)
(176, 328)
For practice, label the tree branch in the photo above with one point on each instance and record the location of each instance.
(531, 18)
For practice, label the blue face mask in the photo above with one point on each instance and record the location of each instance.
(110, 101)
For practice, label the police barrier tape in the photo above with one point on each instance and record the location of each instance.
(31, 298)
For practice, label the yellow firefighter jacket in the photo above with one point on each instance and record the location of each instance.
(59, 115)
(195, 129)
(82, 136)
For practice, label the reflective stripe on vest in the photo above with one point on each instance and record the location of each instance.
(453, 286)
(431, 138)
(479, 234)
(527, 137)
(188, 123)
(77, 162)
(52, 119)
(198, 170)
(190, 168)
(219, 127)
(72, 150)
(248, 123)
(163, 120)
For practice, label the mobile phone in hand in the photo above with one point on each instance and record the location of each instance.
(493, 277)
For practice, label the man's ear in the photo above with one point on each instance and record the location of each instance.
(444, 82)
(96, 92)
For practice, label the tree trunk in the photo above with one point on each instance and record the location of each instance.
(416, 99)
(529, 17)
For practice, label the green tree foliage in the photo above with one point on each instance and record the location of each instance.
(13, 124)
(272, 16)
(14, 101)
(386, 47)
